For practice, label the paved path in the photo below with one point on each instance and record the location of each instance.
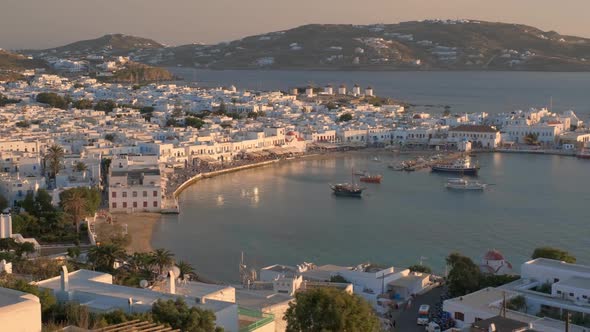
(406, 318)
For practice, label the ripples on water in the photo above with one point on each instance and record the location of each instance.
(287, 214)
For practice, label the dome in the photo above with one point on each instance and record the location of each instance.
(493, 255)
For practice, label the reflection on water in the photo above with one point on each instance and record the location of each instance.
(287, 214)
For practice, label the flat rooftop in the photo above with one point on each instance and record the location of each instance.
(560, 265)
(578, 282)
(10, 297)
(260, 299)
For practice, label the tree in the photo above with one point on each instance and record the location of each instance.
(194, 122)
(531, 139)
(80, 166)
(185, 269)
(339, 278)
(141, 262)
(103, 257)
(464, 276)
(82, 104)
(53, 100)
(74, 204)
(517, 303)
(162, 259)
(179, 315)
(420, 268)
(3, 203)
(54, 156)
(553, 253)
(329, 309)
(106, 106)
(345, 117)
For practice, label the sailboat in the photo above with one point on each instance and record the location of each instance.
(347, 189)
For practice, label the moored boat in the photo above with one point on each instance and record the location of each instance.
(371, 178)
(463, 184)
(460, 166)
(584, 153)
(347, 189)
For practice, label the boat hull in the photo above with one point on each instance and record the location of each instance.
(465, 171)
(348, 194)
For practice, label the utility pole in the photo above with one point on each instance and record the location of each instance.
(567, 321)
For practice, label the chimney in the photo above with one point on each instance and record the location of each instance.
(65, 279)
(172, 289)
(130, 301)
(492, 328)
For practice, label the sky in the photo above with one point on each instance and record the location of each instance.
(50, 23)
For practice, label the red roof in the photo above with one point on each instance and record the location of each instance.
(291, 133)
(493, 255)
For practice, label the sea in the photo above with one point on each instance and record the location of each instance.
(286, 213)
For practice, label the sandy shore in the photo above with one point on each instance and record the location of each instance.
(140, 227)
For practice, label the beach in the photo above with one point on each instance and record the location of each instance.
(140, 227)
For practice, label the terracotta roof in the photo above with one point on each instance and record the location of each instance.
(475, 128)
(493, 255)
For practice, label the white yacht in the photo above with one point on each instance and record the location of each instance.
(462, 184)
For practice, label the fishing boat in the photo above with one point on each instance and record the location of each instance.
(360, 173)
(371, 178)
(347, 189)
(463, 184)
(460, 166)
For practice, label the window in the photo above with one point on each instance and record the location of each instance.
(114, 205)
(459, 316)
(558, 292)
(155, 193)
(135, 194)
(155, 204)
(124, 205)
(477, 319)
(144, 204)
(114, 194)
(144, 193)
(124, 194)
(556, 280)
(572, 294)
(134, 204)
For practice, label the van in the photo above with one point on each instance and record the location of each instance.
(423, 315)
(432, 327)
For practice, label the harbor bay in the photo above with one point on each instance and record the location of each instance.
(286, 214)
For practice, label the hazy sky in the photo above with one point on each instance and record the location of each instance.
(48, 23)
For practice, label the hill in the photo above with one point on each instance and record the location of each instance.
(139, 73)
(113, 44)
(423, 45)
(12, 64)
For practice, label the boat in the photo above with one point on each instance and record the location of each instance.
(376, 159)
(360, 173)
(347, 189)
(371, 178)
(463, 184)
(460, 166)
(584, 153)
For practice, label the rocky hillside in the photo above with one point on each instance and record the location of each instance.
(12, 64)
(114, 44)
(139, 73)
(425, 45)
(417, 45)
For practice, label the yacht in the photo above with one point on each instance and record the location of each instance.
(460, 166)
(462, 184)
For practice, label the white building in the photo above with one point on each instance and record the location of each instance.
(545, 133)
(19, 312)
(135, 184)
(549, 288)
(480, 136)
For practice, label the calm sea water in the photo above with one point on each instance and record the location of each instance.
(287, 214)
(492, 92)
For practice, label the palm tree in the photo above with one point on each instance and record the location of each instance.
(75, 205)
(142, 261)
(185, 269)
(54, 156)
(80, 167)
(103, 257)
(162, 259)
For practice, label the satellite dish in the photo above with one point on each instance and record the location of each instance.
(176, 271)
(143, 283)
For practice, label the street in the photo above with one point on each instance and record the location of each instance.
(406, 318)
